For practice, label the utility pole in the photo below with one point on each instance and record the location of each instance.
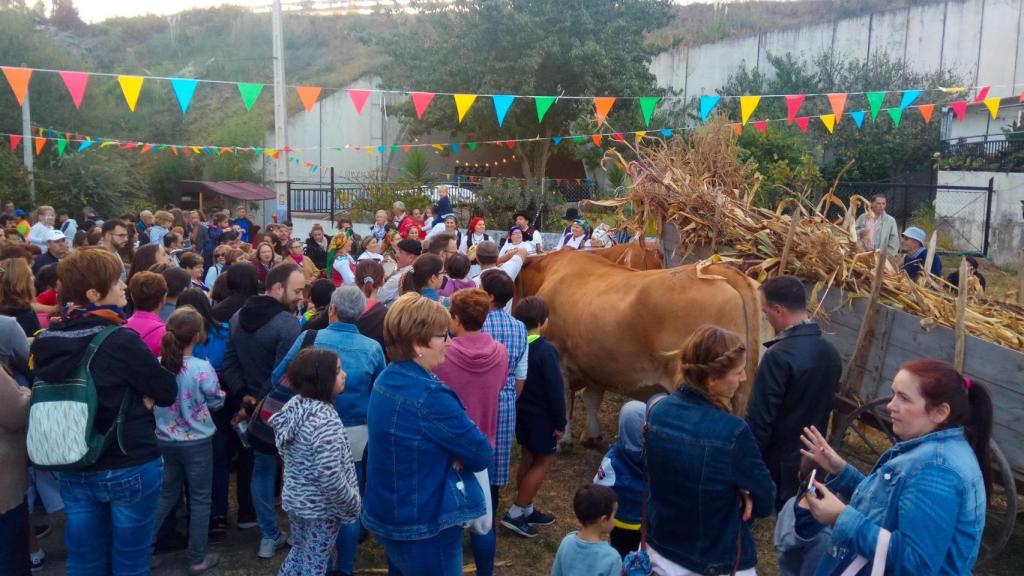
(27, 148)
(280, 114)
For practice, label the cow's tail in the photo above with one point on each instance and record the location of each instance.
(746, 289)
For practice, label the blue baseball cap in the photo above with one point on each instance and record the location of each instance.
(915, 233)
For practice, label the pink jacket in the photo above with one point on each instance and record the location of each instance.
(474, 367)
(150, 327)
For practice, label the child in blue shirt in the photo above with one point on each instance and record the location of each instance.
(622, 470)
(586, 552)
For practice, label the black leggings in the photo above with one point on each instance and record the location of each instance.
(625, 541)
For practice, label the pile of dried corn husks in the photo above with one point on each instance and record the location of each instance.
(699, 185)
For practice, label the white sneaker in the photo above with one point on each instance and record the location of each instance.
(270, 546)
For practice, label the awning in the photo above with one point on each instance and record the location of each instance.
(247, 191)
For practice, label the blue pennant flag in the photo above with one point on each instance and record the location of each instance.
(666, 133)
(858, 117)
(455, 148)
(85, 145)
(184, 89)
(557, 140)
(502, 102)
(707, 104)
(908, 98)
(381, 149)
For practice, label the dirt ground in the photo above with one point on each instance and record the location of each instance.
(516, 556)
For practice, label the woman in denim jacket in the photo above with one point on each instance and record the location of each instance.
(422, 450)
(924, 502)
(702, 463)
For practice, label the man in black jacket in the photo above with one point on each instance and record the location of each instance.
(795, 384)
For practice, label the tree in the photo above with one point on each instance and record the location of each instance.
(64, 15)
(572, 47)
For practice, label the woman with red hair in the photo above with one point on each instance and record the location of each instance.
(475, 234)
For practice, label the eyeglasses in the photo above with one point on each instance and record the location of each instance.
(447, 336)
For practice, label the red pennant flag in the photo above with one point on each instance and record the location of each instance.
(358, 98)
(960, 108)
(761, 126)
(40, 142)
(18, 79)
(15, 140)
(420, 100)
(803, 122)
(1021, 100)
(982, 94)
(602, 106)
(76, 83)
(597, 140)
(793, 104)
(511, 145)
(926, 112)
(618, 137)
(308, 95)
(406, 148)
(838, 103)
(186, 150)
(736, 128)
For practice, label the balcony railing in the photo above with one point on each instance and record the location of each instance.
(990, 155)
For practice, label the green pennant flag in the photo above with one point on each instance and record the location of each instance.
(875, 100)
(471, 145)
(61, 145)
(249, 92)
(543, 104)
(647, 105)
(896, 114)
(579, 139)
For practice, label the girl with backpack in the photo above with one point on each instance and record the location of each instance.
(185, 430)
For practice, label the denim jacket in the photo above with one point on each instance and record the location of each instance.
(929, 493)
(417, 429)
(698, 458)
(361, 358)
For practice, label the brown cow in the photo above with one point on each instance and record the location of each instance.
(621, 329)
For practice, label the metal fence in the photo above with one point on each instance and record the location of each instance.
(994, 155)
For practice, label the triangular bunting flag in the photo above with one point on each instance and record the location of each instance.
(793, 104)
(86, 144)
(543, 103)
(420, 101)
(960, 108)
(908, 98)
(838, 103)
(556, 140)
(18, 78)
(858, 117)
(579, 139)
(803, 122)
(993, 106)
(1021, 100)
(308, 95)
(39, 142)
(829, 120)
(647, 106)
(618, 137)
(463, 102)
(249, 92)
(982, 94)
(747, 106)
(438, 147)
(76, 83)
(406, 148)
(184, 89)
(640, 134)
(502, 102)
(761, 126)
(471, 145)
(875, 101)
(143, 150)
(666, 132)
(707, 104)
(602, 106)
(381, 149)
(896, 114)
(737, 128)
(596, 139)
(455, 149)
(61, 145)
(15, 140)
(511, 145)
(926, 112)
(130, 87)
(358, 98)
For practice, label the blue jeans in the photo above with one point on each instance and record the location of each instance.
(439, 555)
(264, 475)
(348, 535)
(109, 518)
(191, 463)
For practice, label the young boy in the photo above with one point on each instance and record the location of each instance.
(800, 540)
(540, 419)
(622, 470)
(586, 553)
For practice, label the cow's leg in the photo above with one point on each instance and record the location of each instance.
(566, 442)
(592, 400)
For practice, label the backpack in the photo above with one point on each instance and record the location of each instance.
(259, 433)
(62, 417)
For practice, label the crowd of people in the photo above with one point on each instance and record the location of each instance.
(379, 383)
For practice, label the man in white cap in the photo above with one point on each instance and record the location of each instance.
(882, 228)
(912, 243)
(56, 250)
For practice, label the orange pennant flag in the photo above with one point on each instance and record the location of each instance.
(736, 128)
(40, 142)
(597, 140)
(602, 106)
(838, 103)
(308, 95)
(18, 79)
(926, 112)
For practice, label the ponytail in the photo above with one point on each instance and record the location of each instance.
(978, 429)
(171, 352)
(184, 328)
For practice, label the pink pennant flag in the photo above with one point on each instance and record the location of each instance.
(793, 104)
(982, 93)
(761, 126)
(15, 140)
(420, 100)
(960, 108)
(76, 83)
(358, 98)
(803, 122)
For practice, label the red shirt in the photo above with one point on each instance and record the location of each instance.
(48, 298)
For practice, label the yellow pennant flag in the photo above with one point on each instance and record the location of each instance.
(131, 86)
(463, 102)
(993, 106)
(640, 135)
(829, 120)
(747, 106)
